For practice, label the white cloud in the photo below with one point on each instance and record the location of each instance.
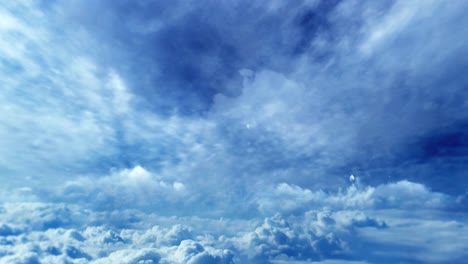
(121, 95)
(54, 233)
(127, 188)
(136, 174)
(403, 194)
(54, 112)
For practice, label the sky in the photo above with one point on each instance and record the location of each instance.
(305, 131)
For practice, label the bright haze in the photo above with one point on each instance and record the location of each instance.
(308, 131)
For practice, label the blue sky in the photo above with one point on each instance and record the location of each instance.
(226, 132)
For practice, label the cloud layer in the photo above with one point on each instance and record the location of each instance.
(365, 225)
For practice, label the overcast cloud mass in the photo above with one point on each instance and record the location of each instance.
(234, 131)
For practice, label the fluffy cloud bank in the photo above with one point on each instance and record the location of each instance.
(312, 237)
(352, 225)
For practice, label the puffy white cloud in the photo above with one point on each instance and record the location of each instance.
(277, 239)
(189, 251)
(312, 226)
(315, 235)
(126, 188)
(403, 195)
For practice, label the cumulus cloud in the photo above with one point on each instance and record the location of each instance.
(331, 226)
(127, 188)
(316, 235)
(403, 194)
(99, 244)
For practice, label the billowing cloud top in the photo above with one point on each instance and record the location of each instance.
(233, 132)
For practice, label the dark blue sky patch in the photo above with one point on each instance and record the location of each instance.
(447, 143)
(314, 23)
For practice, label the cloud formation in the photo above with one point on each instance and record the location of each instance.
(337, 229)
(207, 132)
(402, 194)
